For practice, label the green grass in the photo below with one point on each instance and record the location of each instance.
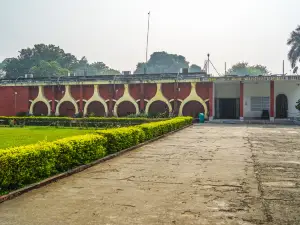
(16, 136)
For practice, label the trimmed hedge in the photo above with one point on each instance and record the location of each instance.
(68, 121)
(122, 138)
(27, 164)
(156, 129)
(24, 165)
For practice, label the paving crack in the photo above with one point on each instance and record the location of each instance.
(257, 172)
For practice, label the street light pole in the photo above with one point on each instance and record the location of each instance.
(15, 94)
(145, 69)
(16, 102)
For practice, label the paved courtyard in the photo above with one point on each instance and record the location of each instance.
(209, 174)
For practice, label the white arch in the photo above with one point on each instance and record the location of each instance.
(126, 98)
(40, 98)
(193, 96)
(172, 100)
(67, 98)
(158, 97)
(82, 100)
(95, 98)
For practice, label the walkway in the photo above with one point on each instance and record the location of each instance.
(210, 175)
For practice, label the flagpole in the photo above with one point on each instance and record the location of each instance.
(145, 70)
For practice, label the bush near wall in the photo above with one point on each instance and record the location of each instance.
(76, 122)
(24, 165)
(27, 164)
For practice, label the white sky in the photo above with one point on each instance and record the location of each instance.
(114, 31)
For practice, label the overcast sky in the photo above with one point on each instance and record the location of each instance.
(114, 31)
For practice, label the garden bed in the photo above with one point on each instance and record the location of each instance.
(74, 122)
(23, 165)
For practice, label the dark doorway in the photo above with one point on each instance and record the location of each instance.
(193, 108)
(96, 108)
(227, 108)
(67, 109)
(126, 108)
(281, 106)
(158, 107)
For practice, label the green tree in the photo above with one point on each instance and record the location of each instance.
(49, 60)
(96, 68)
(294, 52)
(162, 62)
(51, 68)
(243, 68)
(33, 57)
(99, 66)
(194, 68)
(2, 72)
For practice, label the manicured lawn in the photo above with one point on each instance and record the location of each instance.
(16, 136)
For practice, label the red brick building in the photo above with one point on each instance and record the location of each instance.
(107, 95)
(227, 97)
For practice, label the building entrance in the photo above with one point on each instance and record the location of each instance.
(227, 108)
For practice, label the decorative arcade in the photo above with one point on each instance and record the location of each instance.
(227, 97)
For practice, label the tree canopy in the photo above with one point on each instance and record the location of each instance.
(243, 68)
(294, 52)
(2, 72)
(50, 60)
(163, 62)
(194, 68)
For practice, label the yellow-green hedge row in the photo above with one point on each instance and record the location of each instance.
(27, 164)
(123, 138)
(67, 121)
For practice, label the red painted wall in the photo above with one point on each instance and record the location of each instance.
(168, 90)
(48, 92)
(24, 94)
(33, 92)
(11, 103)
(202, 90)
(105, 91)
(75, 92)
(185, 90)
(87, 92)
(119, 88)
(149, 90)
(59, 92)
(135, 91)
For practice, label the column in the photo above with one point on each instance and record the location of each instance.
(110, 103)
(142, 99)
(81, 99)
(176, 93)
(241, 101)
(53, 101)
(271, 100)
(211, 101)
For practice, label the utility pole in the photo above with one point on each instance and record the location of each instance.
(225, 69)
(283, 68)
(207, 63)
(145, 69)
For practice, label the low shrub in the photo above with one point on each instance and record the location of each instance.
(67, 121)
(156, 129)
(27, 164)
(122, 138)
(21, 114)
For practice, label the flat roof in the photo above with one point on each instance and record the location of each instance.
(138, 78)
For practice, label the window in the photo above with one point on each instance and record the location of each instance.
(260, 103)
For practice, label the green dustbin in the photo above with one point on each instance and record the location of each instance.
(201, 118)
